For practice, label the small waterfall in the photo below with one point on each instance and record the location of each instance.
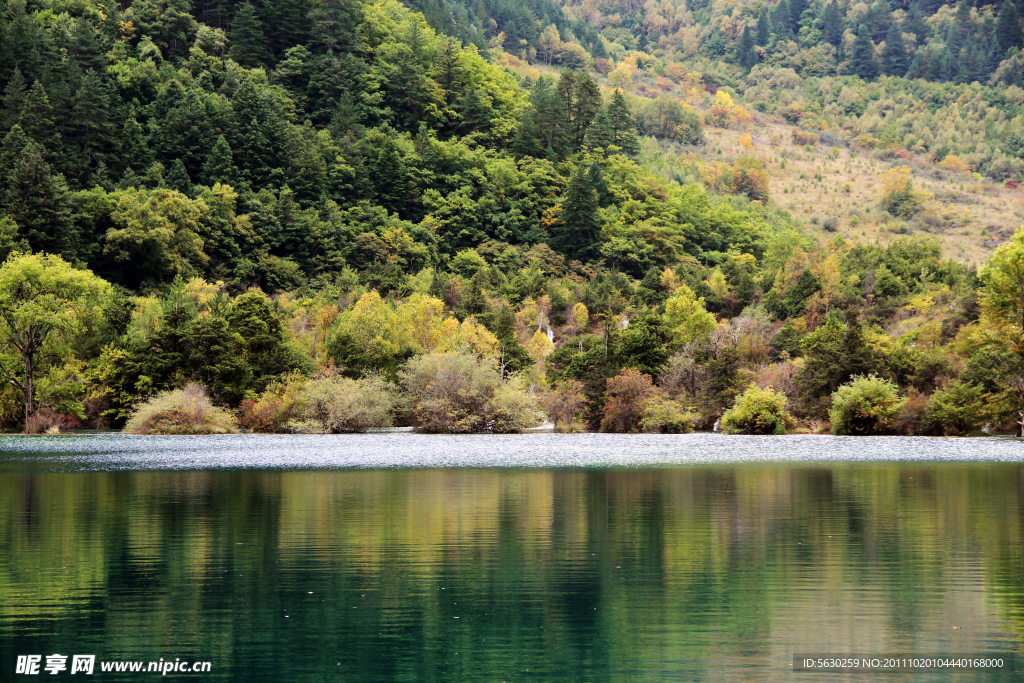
(718, 425)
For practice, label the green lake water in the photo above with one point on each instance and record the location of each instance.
(399, 557)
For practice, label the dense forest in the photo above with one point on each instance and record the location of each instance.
(273, 216)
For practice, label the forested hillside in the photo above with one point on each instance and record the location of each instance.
(582, 207)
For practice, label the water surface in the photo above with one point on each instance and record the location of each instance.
(398, 557)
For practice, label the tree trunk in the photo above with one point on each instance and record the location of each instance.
(29, 390)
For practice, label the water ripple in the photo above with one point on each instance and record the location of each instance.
(403, 449)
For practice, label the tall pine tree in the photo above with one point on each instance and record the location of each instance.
(895, 61)
(248, 44)
(862, 59)
(37, 118)
(14, 100)
(219, 166)
(40, 203)
(577, 233)
(745, 51)
(796, 11)
(763, 30)
(832, 23)
(1008, 31)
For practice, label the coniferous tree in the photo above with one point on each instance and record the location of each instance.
(185, 133)
(544, 131)
(600, 134)
(91, 115)
(14, 100)
(475, 115)
(763, 30)
(332, 25)
(878, 19)
(894, 57)
(248, 44)
(133, 150)
(582, 100)
(796, 11)
(623, 125)
(951, 57)
(220, 166)
(37, 117)
(600, 184)
(578, 230)
(915, 23)
(177, 178)
(832, 23)
(1008, 31)
(781, 19)
(745, 51)
(13, 146)
(963, 14)
(40, 203)
(390, 178)
(862, 60)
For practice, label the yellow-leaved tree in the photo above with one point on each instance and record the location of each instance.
(1002, 307)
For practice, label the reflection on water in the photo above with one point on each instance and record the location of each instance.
(710, 572)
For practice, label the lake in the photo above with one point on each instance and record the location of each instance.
(541, 557)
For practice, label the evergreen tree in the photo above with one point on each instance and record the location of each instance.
(796, 11)
(915, 23)
(185, 133)
(255, 133)
(623, 125)
(14, 100)
(248, 44)
(37, 118)
(1008, 32)
(862, 61)
(91, 115)
(544, 131)
(781, 19)
(763, 30)
(600, 184)
(133, 151)
(894, 57)
(582, 100)
(600, 133)
(963, 14)
(40, 203)
(475, 115)
(219, 166)
(390, 178)
(333, 24)
(178, 178)
(578, 230)
(878, 19)
(14, 145)
(832, 23)
(746, 53)
(951, 57)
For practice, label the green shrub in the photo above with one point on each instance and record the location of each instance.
(865, 405)
(458, 393)
(340, 405)
(757, 411)
(667, 416)
(958, 408)
(181, 411)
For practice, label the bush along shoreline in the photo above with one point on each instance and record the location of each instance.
(477, 352)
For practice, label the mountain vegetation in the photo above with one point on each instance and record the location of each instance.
(338, 215)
